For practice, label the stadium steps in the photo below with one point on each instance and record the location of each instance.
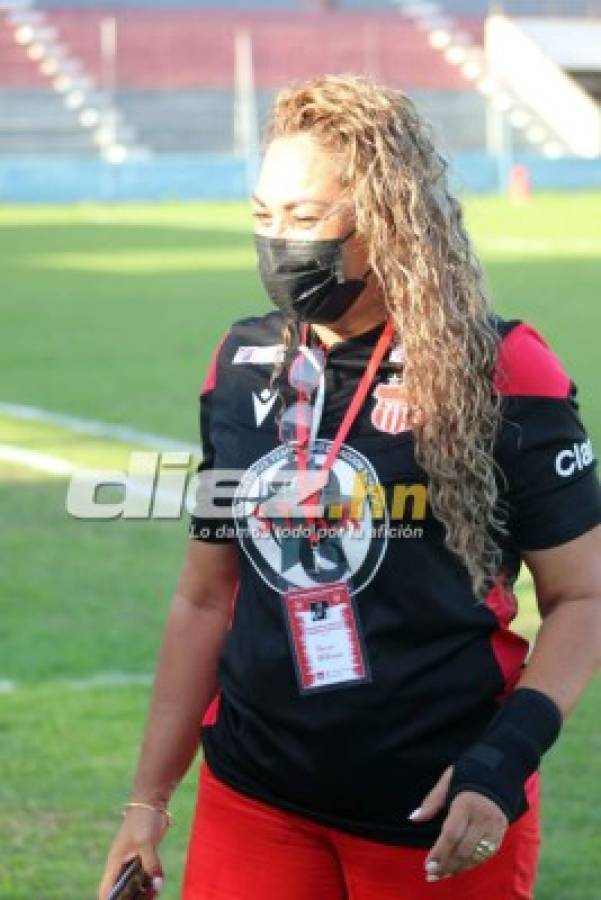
(175, 68)
(521, 121)
(33, 118)
(21, 67)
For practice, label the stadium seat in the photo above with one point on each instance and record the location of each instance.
(35, 121)
(33, 118)
(175, 67)
(189, 49)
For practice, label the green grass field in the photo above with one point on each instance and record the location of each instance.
(111, 313)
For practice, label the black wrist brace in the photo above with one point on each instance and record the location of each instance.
(510, 749)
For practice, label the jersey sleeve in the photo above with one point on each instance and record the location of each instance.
(211, 518)
(551, 484)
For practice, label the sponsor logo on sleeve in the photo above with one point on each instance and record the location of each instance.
(574, 458)
(257, 355)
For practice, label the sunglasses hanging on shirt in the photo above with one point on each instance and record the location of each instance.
(299, 422)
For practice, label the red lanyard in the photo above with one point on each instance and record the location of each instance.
(352, 412)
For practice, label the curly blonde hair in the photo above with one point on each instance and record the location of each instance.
(433, 287)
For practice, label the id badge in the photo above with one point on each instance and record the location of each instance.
(325, 638)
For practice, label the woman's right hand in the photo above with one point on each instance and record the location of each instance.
(140, 833)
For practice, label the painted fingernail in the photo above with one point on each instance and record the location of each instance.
(157, 883)
(431, 867)
(415, 813)
(432, 878)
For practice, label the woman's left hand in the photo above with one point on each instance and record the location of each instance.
(472, 818)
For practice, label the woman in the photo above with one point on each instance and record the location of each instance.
(369, 724)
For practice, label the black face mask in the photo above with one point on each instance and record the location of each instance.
(305, 278)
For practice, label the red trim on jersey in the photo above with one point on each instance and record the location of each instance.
(212, 710)
(509, 649)
(210, 716)
(530, 366)
(211, 377)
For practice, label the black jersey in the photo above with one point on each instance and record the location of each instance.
(361, 757)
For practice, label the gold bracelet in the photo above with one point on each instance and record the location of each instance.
(162, 809)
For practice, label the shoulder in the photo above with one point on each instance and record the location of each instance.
(256, 330)
(252, 339)
(527, 365)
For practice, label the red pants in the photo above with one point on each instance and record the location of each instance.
(243, 849)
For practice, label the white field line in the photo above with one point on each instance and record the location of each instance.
(57, 466)
(100, 680)
(34, 460)
(95, 427)
(105, 679)
(539, 246)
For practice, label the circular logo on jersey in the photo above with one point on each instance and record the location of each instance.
(349, 513)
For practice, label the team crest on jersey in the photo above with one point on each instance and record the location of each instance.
(393, 413)
(354, 521)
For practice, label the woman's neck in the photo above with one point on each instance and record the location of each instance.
(363, 315)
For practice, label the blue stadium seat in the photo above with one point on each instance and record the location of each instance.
(35, 121)
(201, 121)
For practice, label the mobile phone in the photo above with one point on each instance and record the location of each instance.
(132, 882)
